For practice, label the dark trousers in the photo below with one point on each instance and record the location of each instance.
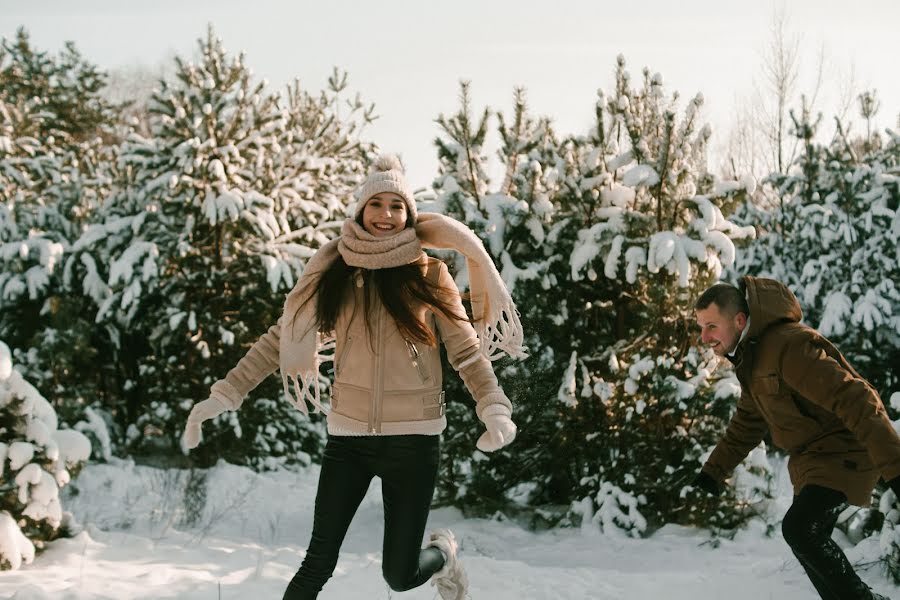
(807, 528)
(407, 466)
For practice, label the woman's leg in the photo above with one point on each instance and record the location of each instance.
(343, 482)
(807, 528)
(408, 471)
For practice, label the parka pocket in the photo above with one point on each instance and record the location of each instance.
(767, 385)
(765, 391)
(418, 362)
(342, 358)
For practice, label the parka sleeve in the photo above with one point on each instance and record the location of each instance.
(744, 433)
(260, 361)
(809, 370)
(464, 352)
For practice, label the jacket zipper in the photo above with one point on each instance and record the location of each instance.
(375, 425)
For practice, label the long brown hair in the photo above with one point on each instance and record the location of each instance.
(400, 289)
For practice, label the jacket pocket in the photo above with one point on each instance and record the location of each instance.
(765, 392)
(339, 365)
(767, 385)
(418, 361)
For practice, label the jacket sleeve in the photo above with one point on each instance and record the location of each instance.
(464, 352)
(260, 361)
(744, 433)
(809, 370)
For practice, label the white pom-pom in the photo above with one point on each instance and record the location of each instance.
(388, 162)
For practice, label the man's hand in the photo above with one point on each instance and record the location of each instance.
(706, 483)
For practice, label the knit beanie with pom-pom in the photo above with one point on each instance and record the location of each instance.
(387, 176)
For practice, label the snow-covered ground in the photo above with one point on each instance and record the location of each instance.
(248, 536)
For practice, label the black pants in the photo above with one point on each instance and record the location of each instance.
(407, 466)
(807, 528)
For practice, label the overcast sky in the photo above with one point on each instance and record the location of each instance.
(408, 56)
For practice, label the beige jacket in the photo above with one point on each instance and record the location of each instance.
(384, 384)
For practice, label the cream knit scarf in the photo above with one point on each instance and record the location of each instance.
(496, 320)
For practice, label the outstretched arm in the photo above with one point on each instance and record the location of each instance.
(260, 361)
(464, 352)
(744, 433)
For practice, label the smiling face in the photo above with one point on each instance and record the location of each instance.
(720, 331)
(384, 214)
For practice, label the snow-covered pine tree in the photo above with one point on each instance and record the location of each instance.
(515, 220)
(210, 222)
(29, 256)
(660, 238)
(832, 237)
(606, 238)
(775, 214)
(36, 460)
(52, 180)
(322, 153)
(66, 86)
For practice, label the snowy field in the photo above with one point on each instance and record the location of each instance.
(247, 540)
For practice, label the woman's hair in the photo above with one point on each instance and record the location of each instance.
(400, 289)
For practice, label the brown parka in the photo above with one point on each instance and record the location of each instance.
(798, 386)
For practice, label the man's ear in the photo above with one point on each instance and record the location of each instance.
(740, 320)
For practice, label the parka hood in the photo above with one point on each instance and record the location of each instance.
(770, 303)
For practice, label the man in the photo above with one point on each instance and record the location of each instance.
(799, 387)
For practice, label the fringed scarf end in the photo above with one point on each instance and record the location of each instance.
(306, 389)
(502, 334)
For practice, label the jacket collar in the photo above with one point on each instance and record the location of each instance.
(731, 355)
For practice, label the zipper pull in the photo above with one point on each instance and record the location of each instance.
(413, 354)
(359, 278)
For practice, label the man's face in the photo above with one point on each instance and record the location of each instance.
(719, 331)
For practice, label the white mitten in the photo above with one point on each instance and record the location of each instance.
(500, 431)
(202, 411)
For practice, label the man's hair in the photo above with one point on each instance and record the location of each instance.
(728, 298)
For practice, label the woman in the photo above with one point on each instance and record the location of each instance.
(386, 304)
